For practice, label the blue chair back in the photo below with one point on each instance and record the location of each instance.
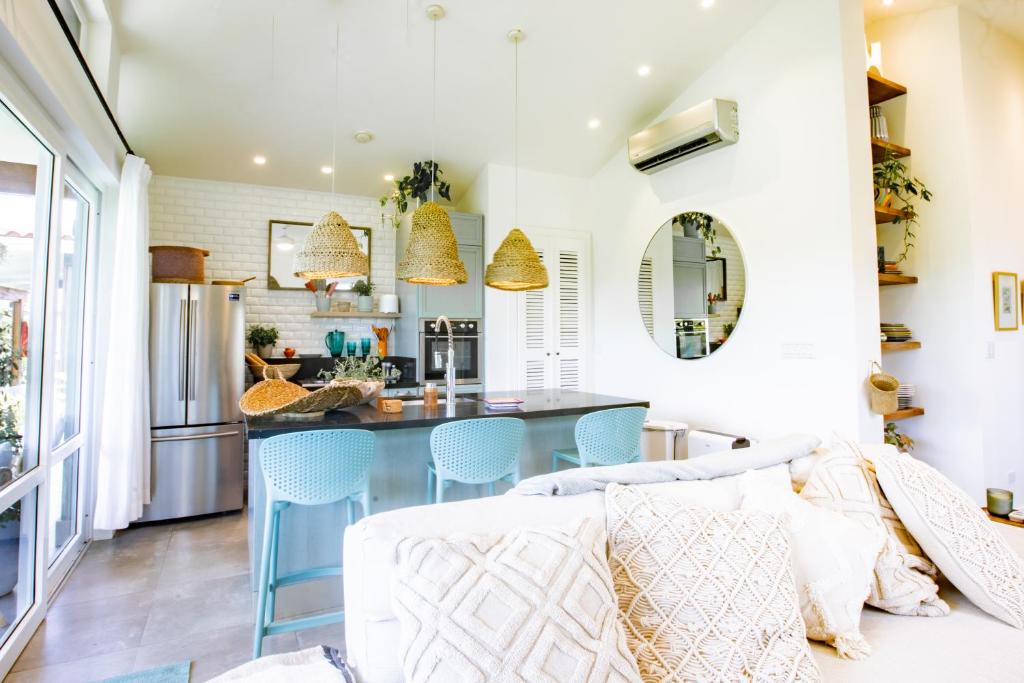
(477, 451)
(610, 437)
(317, 467)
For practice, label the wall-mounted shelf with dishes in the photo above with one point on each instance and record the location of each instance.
(903, 414)
(354, 314)
(900, 345)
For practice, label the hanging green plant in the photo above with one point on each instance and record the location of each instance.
(425, 174)
(895, 188)
(703, 223)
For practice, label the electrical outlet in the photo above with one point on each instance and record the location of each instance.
(990, 350)
(1011, 477)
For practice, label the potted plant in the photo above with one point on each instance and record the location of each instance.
(893, 185)
(10, 532)
(699, 224)
(894, 437)
(713, 300)
(425, 174)
(262, 340)
(364, 290)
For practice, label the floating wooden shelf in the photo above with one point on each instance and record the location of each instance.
(353, 314)
(880, 147)
(904, 414)
(901, 346)
(1003, 520)
(885, 279)
(882, 89)
(885, 214)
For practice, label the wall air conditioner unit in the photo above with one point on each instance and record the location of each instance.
(695, 131)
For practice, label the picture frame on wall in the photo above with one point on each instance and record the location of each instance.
(286, 239)
(1004, 301)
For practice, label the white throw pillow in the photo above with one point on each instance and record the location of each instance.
(833, 562)
(904, 581)
(722, 494)
(527, 605)
(955, 533)
(705, 595)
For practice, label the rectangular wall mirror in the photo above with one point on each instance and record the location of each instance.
(286, 239)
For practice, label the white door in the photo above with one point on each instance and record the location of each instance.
(554, 321)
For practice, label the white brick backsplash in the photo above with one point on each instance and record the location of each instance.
(231, 220)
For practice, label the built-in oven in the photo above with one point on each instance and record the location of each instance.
(469, 352)
(691, 337)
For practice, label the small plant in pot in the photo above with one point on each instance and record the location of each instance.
(894, 437)
(262, 340)
(894, 186)
(364, 290)
(699, 224)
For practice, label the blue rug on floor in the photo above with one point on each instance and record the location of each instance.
(172, 673)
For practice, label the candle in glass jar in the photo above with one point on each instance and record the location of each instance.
(1000, 502)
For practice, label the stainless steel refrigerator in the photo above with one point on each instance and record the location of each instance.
(196, 366)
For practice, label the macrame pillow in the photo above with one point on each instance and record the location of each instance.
(955, 533)
(904, 580)
(705, 596)
(527, 605)
(833, 562)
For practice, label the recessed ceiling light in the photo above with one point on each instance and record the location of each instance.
(363, 136)
(594, 123)
(643, 71)
(389, 178)
(707, 4)
(326, 170)
(259, 160)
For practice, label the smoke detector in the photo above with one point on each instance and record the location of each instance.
(363, 136)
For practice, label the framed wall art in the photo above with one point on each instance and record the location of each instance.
(1004, 301)
(286, 239)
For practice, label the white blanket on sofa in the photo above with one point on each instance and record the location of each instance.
(722, 464)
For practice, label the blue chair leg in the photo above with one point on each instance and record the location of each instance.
(350, 506)
(275, 537)
(490, 489)
(439, 489)
(261, 603)
(554, 462)
(430, 486)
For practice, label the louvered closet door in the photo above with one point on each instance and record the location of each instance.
(554, 320)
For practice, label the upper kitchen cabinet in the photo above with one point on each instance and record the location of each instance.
(468, 228)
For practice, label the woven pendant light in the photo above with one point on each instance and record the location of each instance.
(432, 257)
(516, 266)
(331, 251)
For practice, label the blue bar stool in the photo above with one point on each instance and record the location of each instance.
(605, 437)
(307, 468)
(479, 451)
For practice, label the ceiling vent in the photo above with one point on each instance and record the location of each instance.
(695, 131)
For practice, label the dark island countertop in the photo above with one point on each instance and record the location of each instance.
(536, 404)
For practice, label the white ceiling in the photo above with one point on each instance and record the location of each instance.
(1007, 15)
(207, 84)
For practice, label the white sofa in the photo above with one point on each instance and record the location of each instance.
(968, 645)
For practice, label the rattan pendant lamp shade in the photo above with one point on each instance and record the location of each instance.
(432, 255)
(516, 266)
(331, 251)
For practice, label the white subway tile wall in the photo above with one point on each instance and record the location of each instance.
(231, 220)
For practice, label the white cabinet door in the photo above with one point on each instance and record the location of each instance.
(553, 321)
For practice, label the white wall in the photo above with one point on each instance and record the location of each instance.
(798, 213)
(964, 122)
(231, 221)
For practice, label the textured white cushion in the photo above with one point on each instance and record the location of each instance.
(904, 578)
(705, 595)
(955, 533)
(526, 605)
(833, 562)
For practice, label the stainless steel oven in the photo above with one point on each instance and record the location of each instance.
(469, 352)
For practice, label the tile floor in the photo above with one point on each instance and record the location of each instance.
(153, 596)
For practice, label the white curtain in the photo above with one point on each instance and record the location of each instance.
(122, 485)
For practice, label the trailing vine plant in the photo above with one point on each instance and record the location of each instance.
(894, 185)
(705, 226)
(415, 186)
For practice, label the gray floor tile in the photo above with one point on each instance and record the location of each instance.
(214, 653)
(197, 607)
(79, 670)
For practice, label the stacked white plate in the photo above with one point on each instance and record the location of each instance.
(905, 395)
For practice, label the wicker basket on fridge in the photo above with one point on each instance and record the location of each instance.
(882, 391)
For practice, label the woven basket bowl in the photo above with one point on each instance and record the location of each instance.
(267, 397)
(337, 395)
(282, 371)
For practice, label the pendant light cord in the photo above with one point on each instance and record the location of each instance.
(334, 112)
(515, 134)
(433, 115)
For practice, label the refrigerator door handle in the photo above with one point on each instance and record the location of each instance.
(193, 352)
(182, 347)
(193, 437)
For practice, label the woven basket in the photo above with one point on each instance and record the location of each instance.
(516, 266)
(280, 371)
(274, 400)
(331, 251)
(882, 391)
(432, 257)
(182, 265)
(267, 397)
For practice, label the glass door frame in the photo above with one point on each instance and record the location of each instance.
(37, 120)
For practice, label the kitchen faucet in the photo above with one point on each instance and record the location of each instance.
(449, 372)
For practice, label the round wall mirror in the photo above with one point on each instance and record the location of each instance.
(691, 286)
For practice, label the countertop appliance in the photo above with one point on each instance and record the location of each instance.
(196, 346)
(468, 340)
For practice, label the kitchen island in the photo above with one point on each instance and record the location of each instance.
(312, 536)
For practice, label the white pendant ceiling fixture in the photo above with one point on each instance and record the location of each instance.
(331, 250)
(516, 266)
(432, 257)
